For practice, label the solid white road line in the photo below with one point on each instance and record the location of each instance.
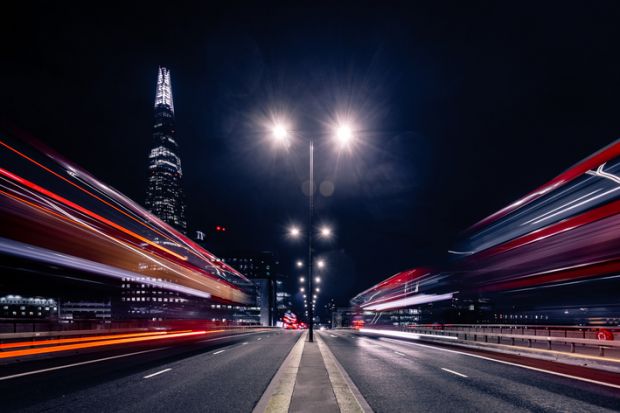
(225, 337)
(277, 396)
(348, 396)
(156, 374)
(218, 352)
(454, 372)
(260, 338)
(555, 373)
(333, 335)
(28, 373)
(244, 343)
(399, 353)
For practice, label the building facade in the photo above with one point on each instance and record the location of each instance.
(262, 268)
(164, 196)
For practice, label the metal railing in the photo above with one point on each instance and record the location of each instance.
(581, 340)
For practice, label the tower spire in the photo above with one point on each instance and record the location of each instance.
(164, 196)
(163, 95)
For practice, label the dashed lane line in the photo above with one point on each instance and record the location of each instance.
(157, 374)
(555, 373)
(28, 373)
(454, 372)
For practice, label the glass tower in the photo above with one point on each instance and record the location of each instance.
(164, 196)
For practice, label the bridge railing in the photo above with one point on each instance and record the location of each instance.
(578, 340)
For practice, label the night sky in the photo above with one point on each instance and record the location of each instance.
(460, 108)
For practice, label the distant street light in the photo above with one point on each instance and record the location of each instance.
(321, 263)
(294, 232)
(326, 232)
(317, 280)
(301, 279)
(301, 289)
(300, 264)
(317, 289)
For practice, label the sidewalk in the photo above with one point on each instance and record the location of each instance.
(311, 380)
(313, 389)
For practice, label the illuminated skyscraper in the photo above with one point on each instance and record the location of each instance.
(164, 196)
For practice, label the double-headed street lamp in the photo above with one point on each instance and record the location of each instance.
(343, 134)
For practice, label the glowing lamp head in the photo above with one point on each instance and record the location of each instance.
(326, 232)
(344, 135)
(294, 232)
(279, 133)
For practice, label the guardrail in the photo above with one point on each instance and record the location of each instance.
(578, 340)
(593, 332)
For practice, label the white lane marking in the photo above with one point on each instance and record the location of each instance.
(333, 335)
(244, 343)
(156, 374)
(454, 372)
(602, 383)
(260, 338)
(218, 352)
(399, 353)
(28, 373)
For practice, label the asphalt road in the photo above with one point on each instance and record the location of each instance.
(401, 376)
(211, 375)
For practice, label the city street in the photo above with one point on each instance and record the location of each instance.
(218, 375)
(401, 376)
(310, 207)
(391, 375)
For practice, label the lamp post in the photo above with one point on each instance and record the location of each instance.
(343, 135)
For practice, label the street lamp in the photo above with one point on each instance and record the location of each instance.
(280, 133)
(321, 264)
(301, 279)
(326, 232)
(294, 232)
(317, 280)
(343, 135)
(300, 264)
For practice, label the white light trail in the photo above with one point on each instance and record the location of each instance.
(409, 301)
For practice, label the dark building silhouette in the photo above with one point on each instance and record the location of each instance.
(164, 196)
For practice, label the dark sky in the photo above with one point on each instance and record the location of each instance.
(460, 109)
